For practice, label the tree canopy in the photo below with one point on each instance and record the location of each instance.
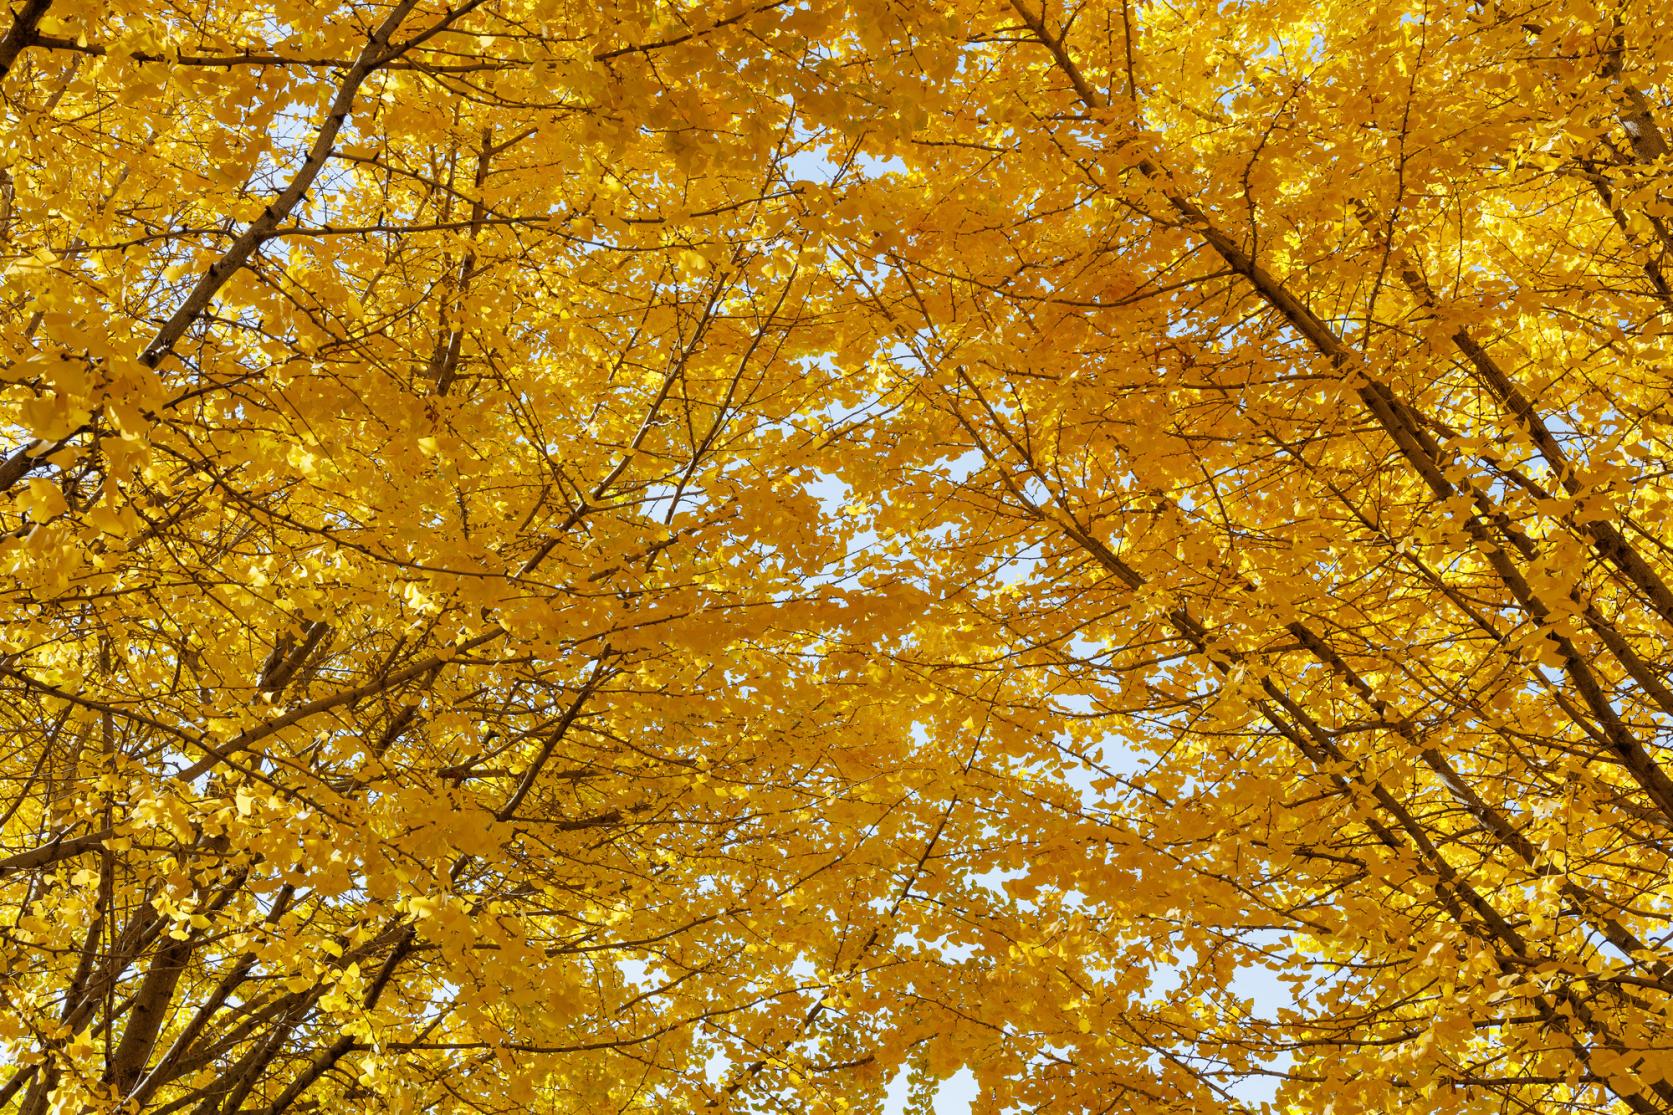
(663, 556)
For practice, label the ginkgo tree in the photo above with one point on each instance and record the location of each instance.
(663, 557)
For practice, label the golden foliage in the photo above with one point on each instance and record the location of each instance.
(667, 556)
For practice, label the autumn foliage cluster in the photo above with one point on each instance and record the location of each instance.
(669, 555)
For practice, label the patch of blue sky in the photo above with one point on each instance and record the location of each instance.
(956, 1095)
(828, 166)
